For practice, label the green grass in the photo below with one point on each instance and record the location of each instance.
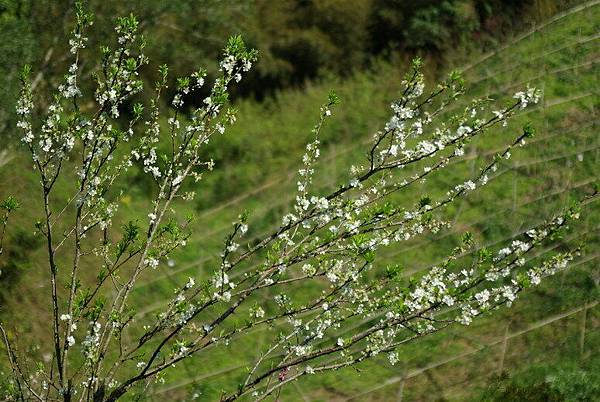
(256, 163)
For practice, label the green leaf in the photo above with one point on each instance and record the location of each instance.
(10, 204)
(333, 98)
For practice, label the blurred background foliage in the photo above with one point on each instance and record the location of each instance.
(299, 40)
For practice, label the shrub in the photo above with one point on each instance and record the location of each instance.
(327, 246)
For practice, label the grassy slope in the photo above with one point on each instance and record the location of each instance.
(561, 58)
(567, 71)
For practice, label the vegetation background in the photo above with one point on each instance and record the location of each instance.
(545, 348)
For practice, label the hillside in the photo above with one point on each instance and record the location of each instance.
(256, 171)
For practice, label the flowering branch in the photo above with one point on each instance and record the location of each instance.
(327, 244)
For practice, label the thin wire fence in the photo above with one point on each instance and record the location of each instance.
(501, 340)
(519, 165)
(421, 370)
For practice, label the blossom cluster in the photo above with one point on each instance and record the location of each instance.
(328, 242)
